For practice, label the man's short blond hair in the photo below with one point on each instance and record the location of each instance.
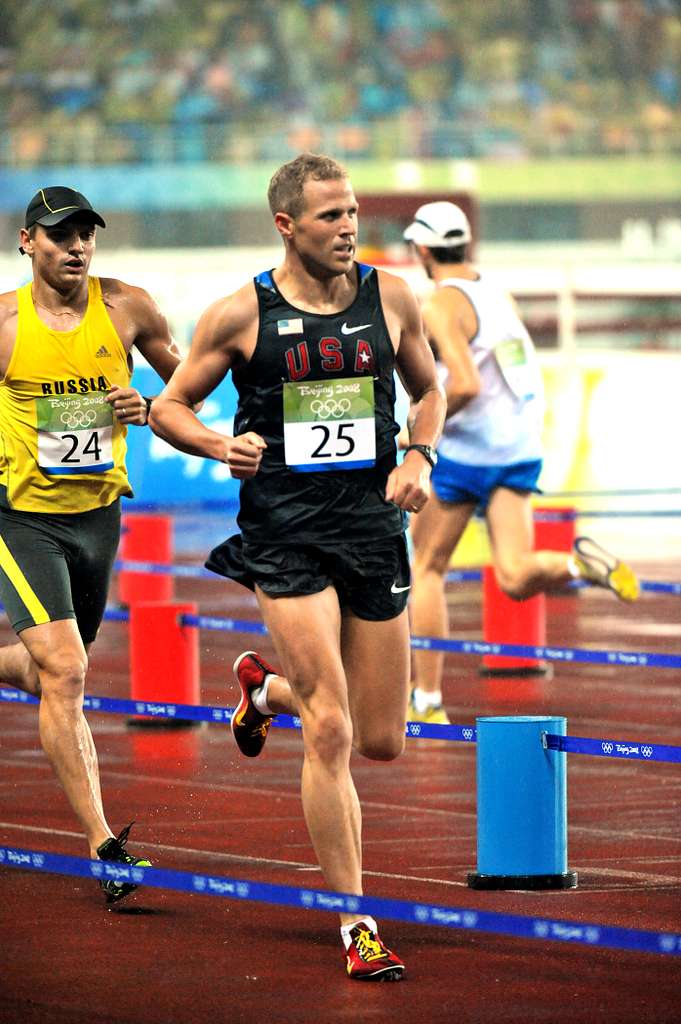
(285, 193)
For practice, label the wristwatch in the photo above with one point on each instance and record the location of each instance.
(428, 453)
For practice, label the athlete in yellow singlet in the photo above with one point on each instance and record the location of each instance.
(65, 406)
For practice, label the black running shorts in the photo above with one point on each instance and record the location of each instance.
(372, 579)
(57, 566)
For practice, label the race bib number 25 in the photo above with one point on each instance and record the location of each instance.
(329, 424)
(75, 434)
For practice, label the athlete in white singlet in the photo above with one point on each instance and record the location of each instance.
(490, 455)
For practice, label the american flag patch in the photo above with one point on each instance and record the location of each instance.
(290, 326)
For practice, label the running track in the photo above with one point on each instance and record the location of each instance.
(163, 957)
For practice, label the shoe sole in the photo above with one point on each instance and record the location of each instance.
(387, 974)
(118, 896)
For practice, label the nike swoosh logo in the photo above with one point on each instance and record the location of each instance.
(398, 590)
(353, 330)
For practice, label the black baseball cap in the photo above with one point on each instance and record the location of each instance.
(52, 205)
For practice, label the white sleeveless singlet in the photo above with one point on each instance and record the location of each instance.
(503, 424)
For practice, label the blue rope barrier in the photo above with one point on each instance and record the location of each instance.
(162, 569)
(661, 588)
(455, 576)
(661, 513)
(414, 730)
(632, 492)
(210, 713)
(628, 749)
(427, 643)
(568, 516)
(566, 654)
(459, 918)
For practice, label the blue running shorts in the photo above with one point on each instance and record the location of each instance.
(457, 482)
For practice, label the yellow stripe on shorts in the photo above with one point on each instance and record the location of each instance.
(21, 585)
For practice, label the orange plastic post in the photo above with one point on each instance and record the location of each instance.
(164, 656)
(145, 538)
(505, 621)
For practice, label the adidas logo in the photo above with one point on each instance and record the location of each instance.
(102, 351)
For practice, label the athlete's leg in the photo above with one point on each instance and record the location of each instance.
(306, 633)
(18, 669)
(376, 661)
(61, 660)
(435, 531)
(520, 571)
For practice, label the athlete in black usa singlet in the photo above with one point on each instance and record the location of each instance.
(321, 480)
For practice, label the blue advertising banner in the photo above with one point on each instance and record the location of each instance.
(160, 474)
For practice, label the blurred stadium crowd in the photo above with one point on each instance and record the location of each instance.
(190, 80)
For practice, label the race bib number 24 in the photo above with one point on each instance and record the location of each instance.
(329, 425)
(75, 434)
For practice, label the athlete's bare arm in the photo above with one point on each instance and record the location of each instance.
(225, 336)
(451, 323)
(139, 323)
(8, 329)
(409, 484)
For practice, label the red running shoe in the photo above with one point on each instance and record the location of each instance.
(367, 959)
(249, 727)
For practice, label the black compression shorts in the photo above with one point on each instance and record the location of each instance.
(57, 566)
(371, 579)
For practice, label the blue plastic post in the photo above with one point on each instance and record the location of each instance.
(522, 806)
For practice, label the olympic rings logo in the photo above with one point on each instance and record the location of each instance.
(78, 418)
(468, 734)
(606, 748)
(330, 407)
(647, 751)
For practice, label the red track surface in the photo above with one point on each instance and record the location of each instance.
(163, 957)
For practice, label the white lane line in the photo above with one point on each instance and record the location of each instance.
(646, 876)
(243, 858)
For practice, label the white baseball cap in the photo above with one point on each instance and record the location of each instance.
(439, 225)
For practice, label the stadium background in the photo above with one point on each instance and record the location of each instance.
(557, 123)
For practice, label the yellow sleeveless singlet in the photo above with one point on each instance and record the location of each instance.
(61, 448)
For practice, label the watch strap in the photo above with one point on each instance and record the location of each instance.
(425, 450)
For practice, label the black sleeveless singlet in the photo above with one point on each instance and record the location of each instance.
(279, 505)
